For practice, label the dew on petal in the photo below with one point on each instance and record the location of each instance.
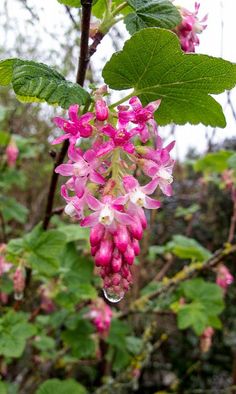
(113, 297)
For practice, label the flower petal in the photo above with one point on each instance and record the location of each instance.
(150, 203)
(150, 187)
(123, 218)
(94, 176)
(130, 183)
(90, 220)
(65, 169)
(93, 203)
(73, 113)
(60, 139)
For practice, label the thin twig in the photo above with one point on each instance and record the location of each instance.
(4, 235)
(232, 224)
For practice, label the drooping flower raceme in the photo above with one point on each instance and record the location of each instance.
(190, 27)
(100, 314)
(106, 149)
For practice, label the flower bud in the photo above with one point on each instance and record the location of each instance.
(101, 110)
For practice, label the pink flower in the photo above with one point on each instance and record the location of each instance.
(138, 195)
(83, 169)
(108, 213)
(139, 115)
(75, 127)
(75, 205)
(224, 278)
(100, 314)
(189, 28)
(118, 138)
(12, 153)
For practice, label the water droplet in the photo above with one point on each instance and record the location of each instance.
(18, 296)
(113, 297)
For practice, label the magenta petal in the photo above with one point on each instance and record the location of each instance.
(123, 218)
(60, 139)
(122, 200)
(109, 130)
(90, 220)
(79, 185)
(65, 169)
(150, 203)
(170, 146)
(89, 155)
(129, 147)
(135, 103)
(152, 107)
(96, 177)
(64, 193)
(144, 134)
(86, 118)
(74, 153)
(130, 183)
(73, 113)
(150, 187)
(60, 122)
(93, 203)
(105, 148)
(166, 188)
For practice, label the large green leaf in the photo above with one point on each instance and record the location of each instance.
(153, 64)
(204, 302)
(188, 248)
(151, 13)
(56, 386)
(12, 209)
(14, 331)
(36, 82)
(214, 162)
(70, 3)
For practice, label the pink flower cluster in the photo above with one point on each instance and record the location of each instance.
(100, 314)
(12, 153)
(206, 339)
(101, 180)
(189, 28)
(224, 278)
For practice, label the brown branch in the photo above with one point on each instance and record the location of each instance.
(4, 235)
(83, 62)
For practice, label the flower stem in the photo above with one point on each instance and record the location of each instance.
(121, 101)
(119, 8)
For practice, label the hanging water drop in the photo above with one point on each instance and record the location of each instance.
(113, 297)
(18, 296)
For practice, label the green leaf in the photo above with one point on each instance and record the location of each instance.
(36, 82)
(214, 162)
(207, 303)
(12, 209)
(4, 137)
(56, 386)
(232, 161)
(6, 71)
(74, 232)
(80, 340)
(118, 332)
(151, 13)
(188, 248)
(209, 294)
(192, 315)
(14, 331)
(134, 345)
(45, 249)
(70, 3)
(153, 64)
